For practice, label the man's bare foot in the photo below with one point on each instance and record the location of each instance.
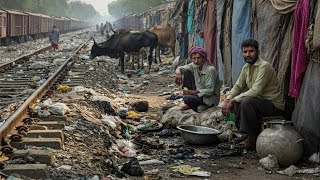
(185, 107)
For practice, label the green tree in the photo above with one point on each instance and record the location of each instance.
(82, 10)
(75, 9)
(121, 8)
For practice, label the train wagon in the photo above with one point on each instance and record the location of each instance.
(65, 24)
(3, 24)
(18, 26)
(58, 21)
(74, 23)
(17, 23)
(46, 24)
(34, 23)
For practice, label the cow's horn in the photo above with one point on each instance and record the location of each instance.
(94, 41)
(113, 30)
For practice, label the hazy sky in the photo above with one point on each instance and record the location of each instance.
(99, 5)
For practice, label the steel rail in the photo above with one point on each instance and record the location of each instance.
(22, 58)
(11, 122)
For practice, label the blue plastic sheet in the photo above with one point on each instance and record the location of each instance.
(190, 27)
(199, 41)
(220, 5)
(241, 30)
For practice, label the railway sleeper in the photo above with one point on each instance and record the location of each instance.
(35, 171)
(54, 143)
(45, 134)
(39, 156)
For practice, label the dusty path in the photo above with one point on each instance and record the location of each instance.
(90, 147)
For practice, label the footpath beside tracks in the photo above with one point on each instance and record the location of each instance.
(19, 131)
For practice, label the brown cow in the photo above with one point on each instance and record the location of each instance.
(166, 38)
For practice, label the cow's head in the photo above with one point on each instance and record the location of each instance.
(106, 48)
(95, 50)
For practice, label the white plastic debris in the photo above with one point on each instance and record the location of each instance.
(59, 109)
(96, 177)
(290, 171)
(121, 143)
(110, 121)
(270, 163)
(43, 113)
(150, 162)
(66, 167)
(201, 173)
(69, 128)
(315, 157)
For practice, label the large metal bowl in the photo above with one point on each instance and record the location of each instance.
(198, 135)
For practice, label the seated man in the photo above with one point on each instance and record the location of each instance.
(201, 79)
(256, 94)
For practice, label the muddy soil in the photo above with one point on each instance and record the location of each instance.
(244, 167)
(87, 148)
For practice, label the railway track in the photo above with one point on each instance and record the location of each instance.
(23, 82)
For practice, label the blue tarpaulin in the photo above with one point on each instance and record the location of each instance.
(190, 27)
(241, 30)
(199, 41)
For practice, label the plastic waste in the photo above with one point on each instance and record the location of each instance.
(315, 157)
(59, 109)
(63, 88)
(151, 161)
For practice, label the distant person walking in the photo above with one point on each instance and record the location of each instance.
(97, 28)
(102, 29)
(54, 37)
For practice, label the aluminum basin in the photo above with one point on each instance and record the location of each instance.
(198, 135)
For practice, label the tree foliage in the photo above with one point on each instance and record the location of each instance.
(75, 9)
(121, 8)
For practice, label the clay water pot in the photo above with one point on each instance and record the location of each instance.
(282, 141)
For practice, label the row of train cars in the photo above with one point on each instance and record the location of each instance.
(18, 26)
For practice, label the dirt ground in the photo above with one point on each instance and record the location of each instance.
(245, 167)
(87, 147)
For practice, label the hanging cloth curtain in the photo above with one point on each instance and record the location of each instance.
(299, 50)
(210, 32)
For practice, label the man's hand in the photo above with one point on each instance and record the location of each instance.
(178, 77)
(178, 80)
(231, 103)
(191, 92)
(227, 105)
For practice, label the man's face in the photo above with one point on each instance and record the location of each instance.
(197, 59)
(250, 54)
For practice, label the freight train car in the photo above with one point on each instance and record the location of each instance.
(20, 26)
(3, 24)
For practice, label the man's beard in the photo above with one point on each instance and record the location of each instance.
(197, 65)
(253, 60)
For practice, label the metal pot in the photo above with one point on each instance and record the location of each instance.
(198, 135)
(282, 141)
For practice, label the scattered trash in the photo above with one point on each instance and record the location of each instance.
(110, 121)
(151, 161)
(140, 106)
(315, 157)
(132, 114)
(132, 168)
(63, 88)
(69, 128)
(59, 108)
(292, 170)
(270, 163)
(190, 171)
(66, 167)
